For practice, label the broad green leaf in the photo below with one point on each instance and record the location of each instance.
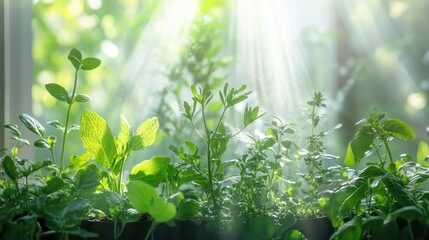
(362, 142)
(407, 213)
(351, 230)
(97, 138)
(107, 201)
(141, 195)
(10, 168)
(349, 161)
(58, 92)
(146, 200)
(82, 98)
(422, 152)
(371, 172)
(124, 136)
(32, 124)
(153, 171)
(75, 57)
(346, 198)
(399, 129)
(187, 209)
(87, 179)
(14, 129)
(90, 63)
(145, 134)
(54, 184)
(161, 210)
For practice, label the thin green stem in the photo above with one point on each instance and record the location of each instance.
(52, 155)
(388, 151)
(120, 175)
(67, 121)
(271, 177)
(209, 160)
(151, 228)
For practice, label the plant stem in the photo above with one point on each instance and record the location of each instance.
(52, 154)
(67, 121)
(209, 160)
(151, 228)
(388, 152)
(120, 175)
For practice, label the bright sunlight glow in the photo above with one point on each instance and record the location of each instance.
(268, 57)
(159, 47)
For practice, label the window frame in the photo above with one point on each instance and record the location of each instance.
(16, 67)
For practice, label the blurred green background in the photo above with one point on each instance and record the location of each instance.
(361, 54)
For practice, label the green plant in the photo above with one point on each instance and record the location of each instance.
(35, 202)
(41, 192)
(262, 203)
(58, 92)
(316, 177)
(385, 189)
(211, 176)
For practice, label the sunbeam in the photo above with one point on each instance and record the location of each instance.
(158, 48)
(268, 57)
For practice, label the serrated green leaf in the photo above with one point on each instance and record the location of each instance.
(98, 139)
(90, 63)
(52, 185)
(422, 152)
(399, 129)
(82, 98)
(32, 124)
(87, 179)
(58, 92)
(78, 162)
(145, 134)
(75, 57)
(153, 171)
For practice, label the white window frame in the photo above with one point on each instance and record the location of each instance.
(16, 67)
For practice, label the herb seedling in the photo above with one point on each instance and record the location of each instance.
(216, 139)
